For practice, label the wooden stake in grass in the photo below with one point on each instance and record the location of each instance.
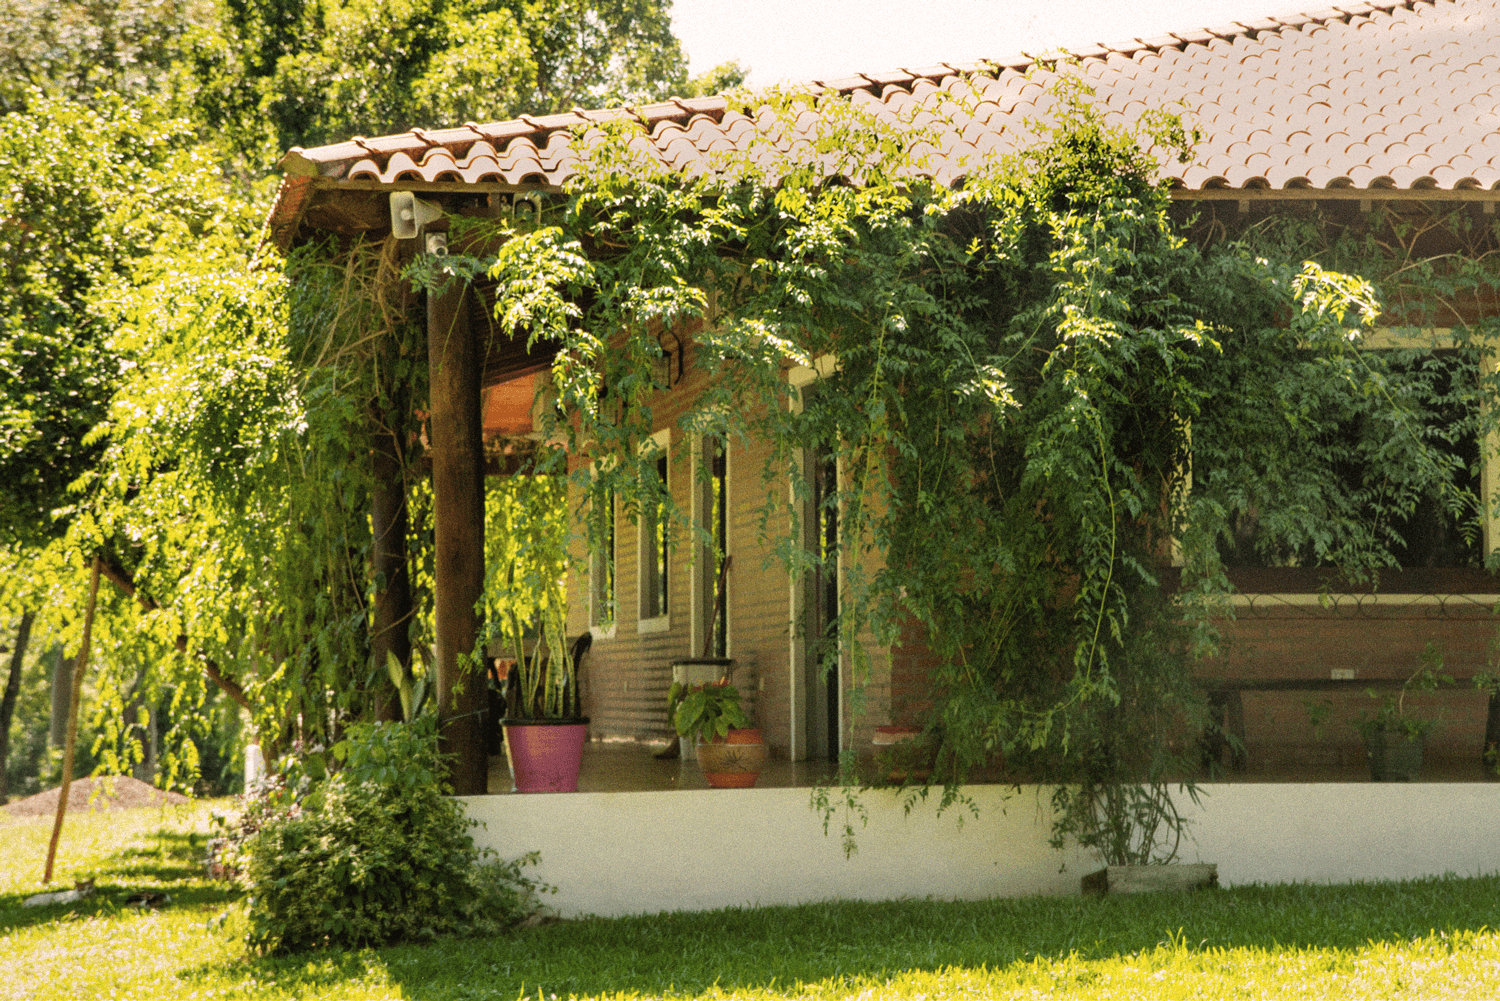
(78, 669)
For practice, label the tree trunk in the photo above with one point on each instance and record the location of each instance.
(81, 665)
(62, 694)
(122, 579)
(8, 701)
(454, 438)
(388, 520)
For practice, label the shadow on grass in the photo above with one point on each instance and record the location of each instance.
(780, 947)
(158, 862)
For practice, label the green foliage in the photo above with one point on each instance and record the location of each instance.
(76, 226)
(373, 853)
(170, 398)
(525, 596)
(82, 48)
(413, 693)
(721, 79)
(1043, 397)
(705, 712)
(397, 757)
(1392, 716)
(318, 71)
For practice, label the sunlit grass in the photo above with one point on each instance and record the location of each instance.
(1425, 939)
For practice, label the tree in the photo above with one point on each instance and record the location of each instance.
(318, 72)
(11, 693)
(79, 48)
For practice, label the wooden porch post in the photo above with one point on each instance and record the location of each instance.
(454, 438)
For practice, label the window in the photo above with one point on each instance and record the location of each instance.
(1441, 541)
(817, 672)
(654, 542)
(602, 602)
(711, 514)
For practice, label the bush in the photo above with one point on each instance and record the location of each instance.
(369, 855)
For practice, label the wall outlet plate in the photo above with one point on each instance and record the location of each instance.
(1341, 673)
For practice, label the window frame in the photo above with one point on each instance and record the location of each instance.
(705, 576)
(604, 566)
(1398, 339)
(654, 578)
(805, 734)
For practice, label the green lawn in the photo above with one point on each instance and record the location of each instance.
(1426, 939)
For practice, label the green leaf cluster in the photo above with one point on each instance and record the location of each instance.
(375, 853)
(705, 712)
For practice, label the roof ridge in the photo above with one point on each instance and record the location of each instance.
(1339, 11)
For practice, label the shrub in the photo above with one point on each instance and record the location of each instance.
(371, 854)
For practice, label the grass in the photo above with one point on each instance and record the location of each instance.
(1425, 939)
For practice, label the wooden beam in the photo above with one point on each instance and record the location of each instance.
(1434, 195)
(455, 444)
(411, 184)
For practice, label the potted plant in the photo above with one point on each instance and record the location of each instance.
(1394, 736)
(545, 729)
(901, 754)
(730, 752)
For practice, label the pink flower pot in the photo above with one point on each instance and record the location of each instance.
(545, 755)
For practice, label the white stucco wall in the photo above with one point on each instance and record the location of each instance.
(642, 852)
(1342, 832)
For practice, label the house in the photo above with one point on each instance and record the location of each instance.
(1385, 106)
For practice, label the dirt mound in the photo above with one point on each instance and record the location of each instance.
(117, 792)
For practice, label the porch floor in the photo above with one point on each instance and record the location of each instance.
(627, 766)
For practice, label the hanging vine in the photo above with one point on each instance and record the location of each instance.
(1044, 397)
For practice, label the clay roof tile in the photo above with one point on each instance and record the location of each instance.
(1402, 92)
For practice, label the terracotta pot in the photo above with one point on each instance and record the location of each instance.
(899, 753)
(545, 754)
(735, 761)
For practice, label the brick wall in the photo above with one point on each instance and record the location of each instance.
(626, 677)
(1379, 641)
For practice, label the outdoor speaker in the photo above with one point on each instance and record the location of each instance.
(409, 214)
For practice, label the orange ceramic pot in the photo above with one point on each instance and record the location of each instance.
(900, 754)
(735, 761)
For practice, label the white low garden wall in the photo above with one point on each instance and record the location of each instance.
(642, 852)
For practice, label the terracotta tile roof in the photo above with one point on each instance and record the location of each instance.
(1378, 96)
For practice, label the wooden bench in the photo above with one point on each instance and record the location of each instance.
(1226, 708)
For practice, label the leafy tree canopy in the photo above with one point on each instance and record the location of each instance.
(319, 71)
(89, 193)
(75, 48)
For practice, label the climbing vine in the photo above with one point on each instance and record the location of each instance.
(1053, 411)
